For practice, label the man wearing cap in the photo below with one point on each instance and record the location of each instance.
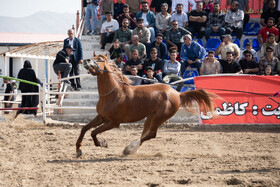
(248, 65)
(192, 54)
(62, 62)
(76, 57)
(227, 46)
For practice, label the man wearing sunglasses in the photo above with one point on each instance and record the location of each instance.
(269, 59)
(248, 65)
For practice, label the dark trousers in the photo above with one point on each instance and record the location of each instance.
(237, 30)
(107, 38)
(246, 20)
(199, 30)
(185, 64)
(75, 71)
(27, 101)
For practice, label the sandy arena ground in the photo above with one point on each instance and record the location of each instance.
(33, 154)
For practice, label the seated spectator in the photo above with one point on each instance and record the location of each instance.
(192, 54)
(215, 22)
(62, 62)
(228, 46)
(9, 90)
(134, 61)
(174, 35)
(244, 6)
(180, 16)
(249, 47)
(271, 12)
(134, 5)
(248, 65)
(171, 70)
(161, 47)
(123, 34)
(234, 20)
(115, 49)
(268, 70)
(271, 43)
(230, 65)
(149, 18)
(119, 62)
(135, 80)
(163, 19)
(208, 7)
(149, 75)
(267, 30)
(108, 30)
(91, 12)
(129, 16)
(143, 33)
(118, 8)
(138, 46)
(197, 20)
(154, 62)
(210, 65)
(105, 6)
(185, 5)
(156, 5)
(269, 59)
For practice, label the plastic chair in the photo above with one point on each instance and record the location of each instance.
(188, 74)
(237, 42)
(254, 41)
(252, 29)
(199, 41)
(187, 88)
(212, 44)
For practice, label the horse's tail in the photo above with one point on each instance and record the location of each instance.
(204, 99)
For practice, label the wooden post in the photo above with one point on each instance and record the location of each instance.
(77, 20)
(59, 95)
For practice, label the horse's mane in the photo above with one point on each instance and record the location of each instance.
(117, 73)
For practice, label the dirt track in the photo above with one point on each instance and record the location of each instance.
(33, 154)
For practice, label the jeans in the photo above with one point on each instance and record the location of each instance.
(172, 78)
(64, 69)
(153, 35)
(185, 64)
(91, 12)
(209, 30)
(75, 71)
(103, 17)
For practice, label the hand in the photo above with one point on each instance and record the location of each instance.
(139, 66)
(246, 71)
(215, 28)
(190, 61)
(221, 44)
(81, 62)
(67, 61)
(127, 15)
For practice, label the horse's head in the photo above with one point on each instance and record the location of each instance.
(96, 65)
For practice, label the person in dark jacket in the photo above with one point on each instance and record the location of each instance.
(62, 62)
(160, 46)
(26, 73)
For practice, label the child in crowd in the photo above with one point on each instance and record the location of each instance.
(149, 75)
(115, 49)
(249, 47)
(268, 70)
(134, 81)
(119, 62)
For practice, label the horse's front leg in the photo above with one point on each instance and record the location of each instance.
(94, 123)
(106, 126)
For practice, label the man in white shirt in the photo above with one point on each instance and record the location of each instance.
(180, 16)
(185, 5)
(108, 29)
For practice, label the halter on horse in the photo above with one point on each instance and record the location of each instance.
(119, 102)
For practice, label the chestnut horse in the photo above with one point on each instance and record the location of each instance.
(119, 102)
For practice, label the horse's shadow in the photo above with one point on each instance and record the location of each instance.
(112, 159)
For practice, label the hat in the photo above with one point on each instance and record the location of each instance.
(227, 36)
(68, 46)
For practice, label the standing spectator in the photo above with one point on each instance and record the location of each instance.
(138, 46)
(174, 35)
(129, 16)
(244, 6)
(197, 20)
(76, 57)
(228, 46)
(123, 34)
(108, 29)
(118, 8)
(269, 59)
(91, 11)
(267, 30)
(248, 65)
(192, 54)
(134, 61)
(115, 49)
(160, 46)
(143, 33)
(208, 7)
(180, 16)
(149, 75)
(215, 22)
(105, 6)
(234, 20)
(185, 5)
(171, 70)
(134, 5)
(249, 47)
(230, 65)
(154, 62)
(210, 65)
(27, 73)
(163, 19)
(271, 12)
(149, 18)
(9, 90)
(156, 5)
(271, 43)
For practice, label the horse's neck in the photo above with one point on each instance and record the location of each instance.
(106, 82)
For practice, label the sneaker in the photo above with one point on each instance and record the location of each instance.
(102, 47)
(88, 33)
(78, 89)
(97, 33)
(67, 82)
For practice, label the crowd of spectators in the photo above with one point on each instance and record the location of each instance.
(162, 37)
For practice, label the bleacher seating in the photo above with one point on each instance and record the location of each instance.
(212, 44)
(199, 41)
(252, 29)
(189, 84)
(254, 41)
(237, 42)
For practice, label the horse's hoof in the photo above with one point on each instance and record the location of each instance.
(103, 143)
(131, 148)
(79, 153)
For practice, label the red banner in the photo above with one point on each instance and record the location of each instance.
(245, 99)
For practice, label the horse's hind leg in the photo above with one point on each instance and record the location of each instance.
(95, 122)
(106, 126)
